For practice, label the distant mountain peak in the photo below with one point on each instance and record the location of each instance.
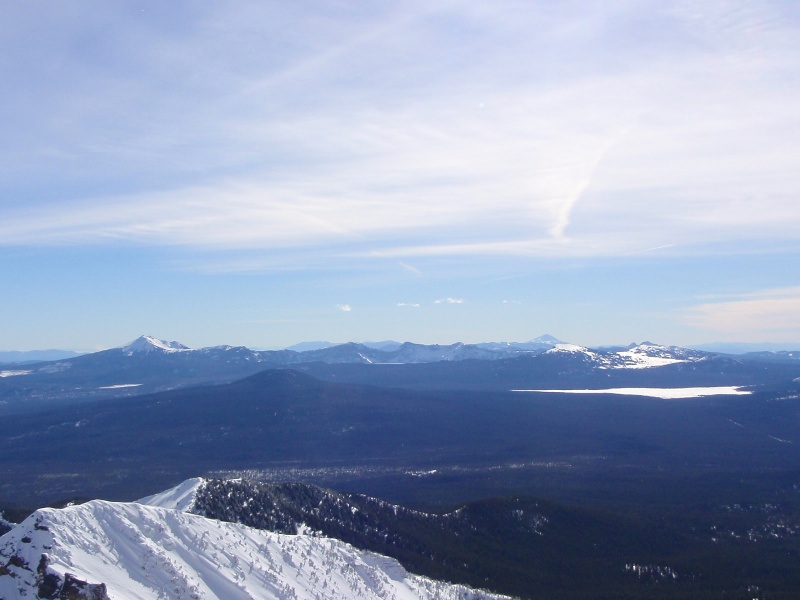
(545, 339)
(309, 346)
(148, 343)
(385, 345)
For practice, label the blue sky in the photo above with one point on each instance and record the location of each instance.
(263, 173)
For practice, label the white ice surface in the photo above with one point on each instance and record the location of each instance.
(666, 393)
(119, 386)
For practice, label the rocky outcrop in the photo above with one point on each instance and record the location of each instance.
(52, 587)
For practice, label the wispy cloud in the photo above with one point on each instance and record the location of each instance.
(320, 137)
(772, 315)
(408, 305)
(344, 307)
(449, 301)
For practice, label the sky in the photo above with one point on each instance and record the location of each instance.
(263, 173)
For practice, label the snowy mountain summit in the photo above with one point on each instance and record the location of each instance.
(636, 356)
(647, 354)
(148, 343)
(106, 550)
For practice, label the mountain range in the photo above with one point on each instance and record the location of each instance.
(149, 365)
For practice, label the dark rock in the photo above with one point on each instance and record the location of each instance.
(77, 589)
(49, 583)
(51, 587)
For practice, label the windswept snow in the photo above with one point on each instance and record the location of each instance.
(665, 393)
(143, 552)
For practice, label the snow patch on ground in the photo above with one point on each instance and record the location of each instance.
(14, 373)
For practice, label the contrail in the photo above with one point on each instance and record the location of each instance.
(647, 250)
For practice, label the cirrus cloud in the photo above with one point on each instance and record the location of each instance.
(772, 315)
(606, 143)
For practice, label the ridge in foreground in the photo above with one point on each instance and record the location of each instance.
(101, 550)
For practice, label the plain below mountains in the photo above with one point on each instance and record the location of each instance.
(378, 437)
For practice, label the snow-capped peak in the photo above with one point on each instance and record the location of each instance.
(181, 497)
(148, 343)
(545, 339)
(648, 354)
(635, 356)
(103, 550)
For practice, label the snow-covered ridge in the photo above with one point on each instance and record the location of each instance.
(109, 550)
(193, 494)
(650, 355)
